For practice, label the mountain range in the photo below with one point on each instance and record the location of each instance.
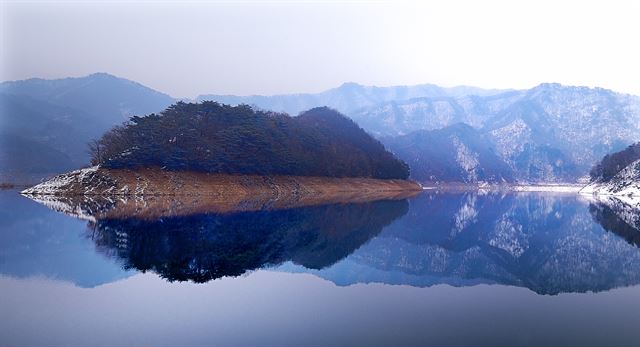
(548, 133)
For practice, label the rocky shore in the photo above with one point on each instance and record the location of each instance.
(155, 192)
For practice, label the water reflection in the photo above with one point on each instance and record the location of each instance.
(202, 247)
(38, 242)
(618, 217)
(548, 243)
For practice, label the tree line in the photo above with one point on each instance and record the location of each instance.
(219, 138)
(613, 163)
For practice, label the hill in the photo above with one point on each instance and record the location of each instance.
(39, 138)
(613, 163)
(217, 138)
(46, 124)
(617, 174)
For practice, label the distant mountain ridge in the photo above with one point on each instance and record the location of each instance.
(545, 134)
(39, 137)
(346, 98)
(45, 125)
(111, 98)
(549, 133)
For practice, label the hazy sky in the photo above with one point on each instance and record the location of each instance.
(186, 48)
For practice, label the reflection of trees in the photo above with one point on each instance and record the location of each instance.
(619, 219)
(202, 247)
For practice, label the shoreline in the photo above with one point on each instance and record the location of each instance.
(96, 181)
(506, 187)
(152, 193)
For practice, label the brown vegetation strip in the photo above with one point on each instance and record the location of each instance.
(152, 193)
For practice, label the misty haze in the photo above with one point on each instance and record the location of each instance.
(311, 173)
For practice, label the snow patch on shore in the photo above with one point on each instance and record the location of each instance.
(60, 182)
(503, 187)
(625, 185)
(559, 188)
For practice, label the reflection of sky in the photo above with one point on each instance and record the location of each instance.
(37, 241)
(268, 308)
(347, 272)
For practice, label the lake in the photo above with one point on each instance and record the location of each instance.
(440, 268)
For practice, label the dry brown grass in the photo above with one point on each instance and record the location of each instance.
(152, 193)
(154, 181)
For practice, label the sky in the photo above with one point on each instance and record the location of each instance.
(187, 48)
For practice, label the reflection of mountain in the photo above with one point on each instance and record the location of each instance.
(547, 243)
(206, 246)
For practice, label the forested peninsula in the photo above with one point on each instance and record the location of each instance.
(209, 148)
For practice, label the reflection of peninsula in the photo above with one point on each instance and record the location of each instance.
(199, 238)
(151, 207)
(202, 247)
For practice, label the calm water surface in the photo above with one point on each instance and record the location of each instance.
(455, 269)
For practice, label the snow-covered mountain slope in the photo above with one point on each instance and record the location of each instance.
(581, 124)
(401, 117)
(625, 185)
(457, 153)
